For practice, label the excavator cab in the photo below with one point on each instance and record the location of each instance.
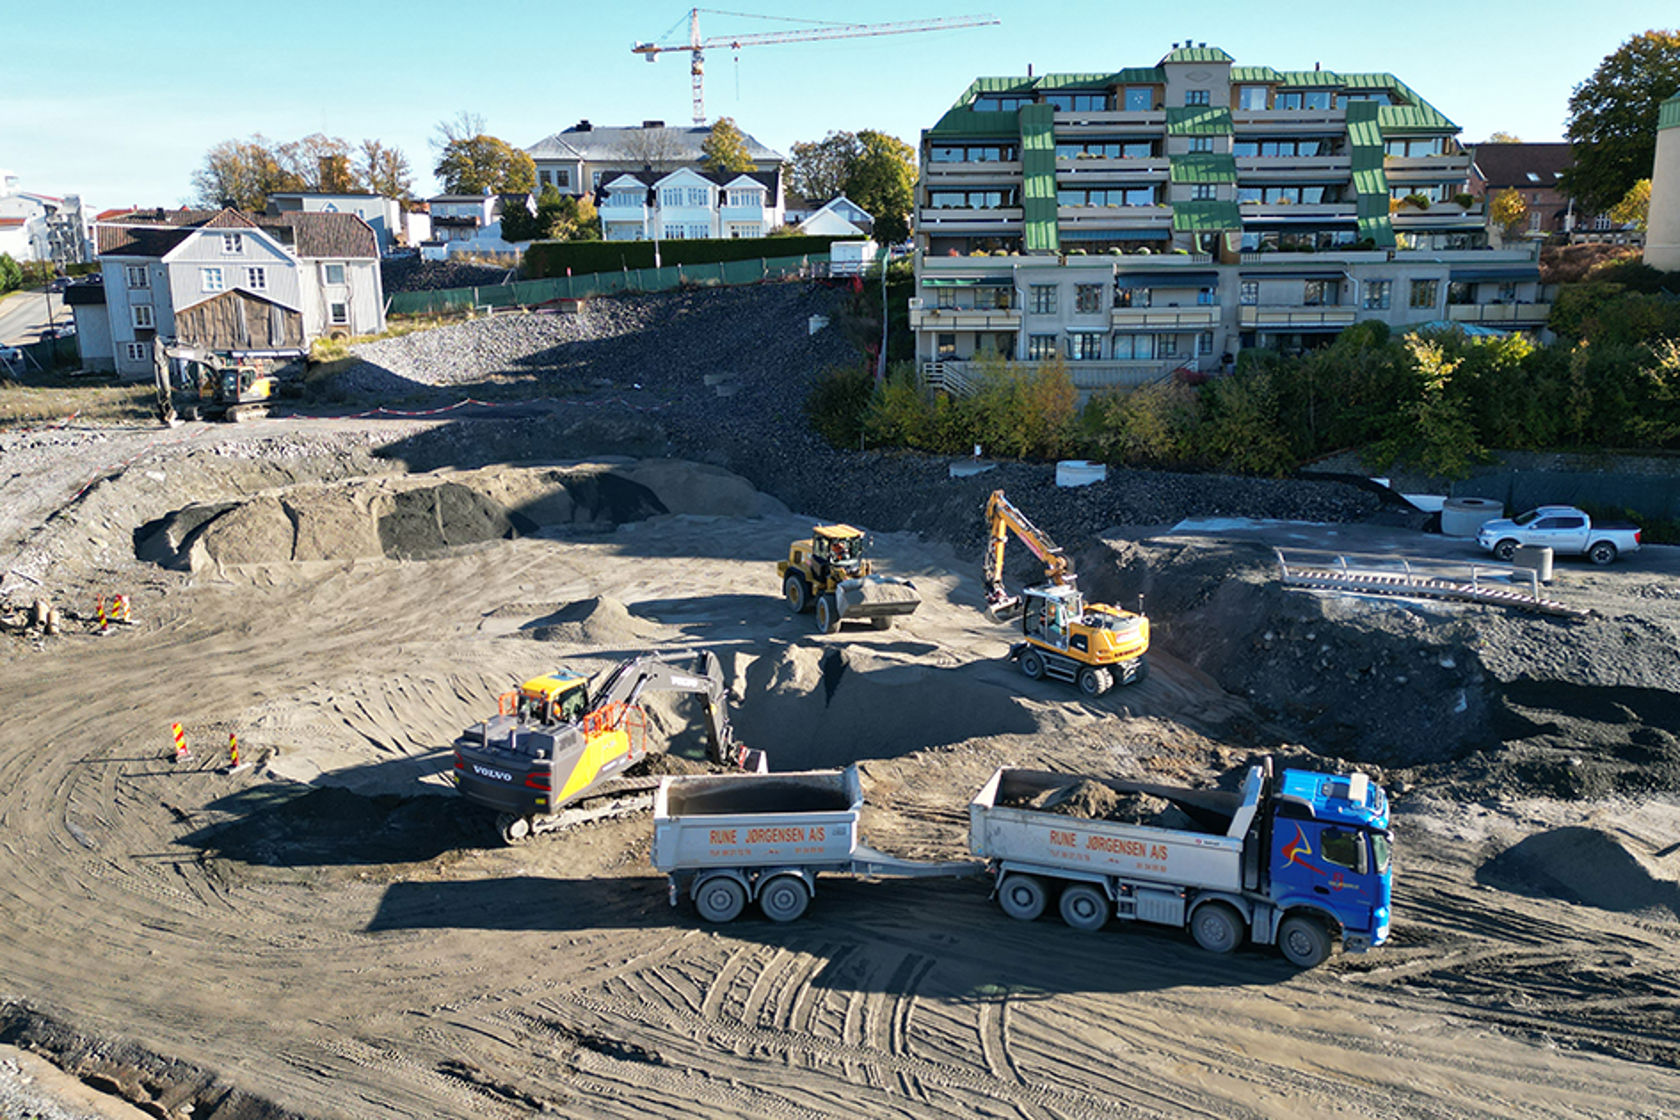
(558, 697)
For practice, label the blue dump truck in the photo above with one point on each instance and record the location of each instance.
(1301, 860)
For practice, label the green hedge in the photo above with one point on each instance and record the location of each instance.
(553, 258)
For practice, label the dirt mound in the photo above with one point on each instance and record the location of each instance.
(1588, 866)
(1093, 800)
(598, 622)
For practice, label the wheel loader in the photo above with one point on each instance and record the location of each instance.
(552, 743)
(828, 573)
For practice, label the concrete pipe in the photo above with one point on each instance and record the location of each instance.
(1463, 517)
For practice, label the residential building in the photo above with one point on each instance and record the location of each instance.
(1535, 172)
(460, 217)
(689, 204)
(578, 160)
(838, 217)
(1662, 224)
(1168, 216)
(41, 227)
(256, 286)
(383, 215)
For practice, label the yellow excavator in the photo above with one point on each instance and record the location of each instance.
(204, 384)
(551, 743)
(1092, 645)
(828, 572)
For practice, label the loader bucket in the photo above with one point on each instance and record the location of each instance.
(875, 597)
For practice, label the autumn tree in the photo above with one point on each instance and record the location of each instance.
(818, 169)
(1508, 212)
(243, 173)
(1612, 126)
(384, 171)
(471, 162)
(882, 180)
(725, 149)
(1503, 138)
(1634, 207)
(657, 149)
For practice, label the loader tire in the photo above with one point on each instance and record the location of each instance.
(828, 614)
(884, 622)
(797, 593)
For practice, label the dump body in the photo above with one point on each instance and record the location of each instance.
(756, 820)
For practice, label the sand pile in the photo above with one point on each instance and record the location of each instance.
(1093, 800)
(1588, 866)
(600, 622)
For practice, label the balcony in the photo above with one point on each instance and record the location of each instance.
(1427, 168)
(1200, 317)
(1006, 220)
(1283, 318)
(1321, 258)
(936, 174)
(1500, 314)
(1070, 124)
(1290, 120)
(950, 319)
(1291, 168)
(1070, 171)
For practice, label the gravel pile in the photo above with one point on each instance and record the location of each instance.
(411, 274)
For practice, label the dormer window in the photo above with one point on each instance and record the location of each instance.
(233, 243)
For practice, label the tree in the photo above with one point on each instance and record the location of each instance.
(656, 149)
(11, 275)
(384, 171)
(882, 180)
(520, 223)
(1508, 212)
(725, 150)
(478, 163)
(243, 173)
(1613, 119)
(319, 162)
(1634, 207)
(818, 170)
(1503, 138)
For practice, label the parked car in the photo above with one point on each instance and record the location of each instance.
(1567, 531)
(63, 330)
(11, 355)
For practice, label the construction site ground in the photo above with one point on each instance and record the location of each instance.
(329, 932)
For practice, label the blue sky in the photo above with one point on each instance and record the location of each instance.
(119, 101)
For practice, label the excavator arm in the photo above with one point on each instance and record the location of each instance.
(697, 673)
(1002, 519)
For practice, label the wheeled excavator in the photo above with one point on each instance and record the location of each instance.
(1091, 645)
(828, 573)
(552, 743)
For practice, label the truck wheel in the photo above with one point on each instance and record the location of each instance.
(720, 899)
(828, 614)
(1216, 927)
(1304, 941)
(1084, 907)
(514, 830)
(1602, 553)
(1094, 682)
(784, 898)
(1022, 897)
(1032, 665)
(797, 593)
(1505, 551)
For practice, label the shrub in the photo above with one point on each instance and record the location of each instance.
(838, 402)
(1153, 425)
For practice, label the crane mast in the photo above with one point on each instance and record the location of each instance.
(697, 47)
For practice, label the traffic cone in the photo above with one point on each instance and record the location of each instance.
(182, 754)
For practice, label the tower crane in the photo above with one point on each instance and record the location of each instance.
(816, 30)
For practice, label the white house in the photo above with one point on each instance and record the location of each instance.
(580, 159)
(838, 217)
(384, 215)
(258, 286)
(690, 204)
(40, 227)
(460, 217)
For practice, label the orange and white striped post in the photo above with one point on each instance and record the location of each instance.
(182, 754)
(120, 609)
(233, 749)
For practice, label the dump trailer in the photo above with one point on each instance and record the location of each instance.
(1300, 860)
(552, 743)
(729, 839)
(828, 573)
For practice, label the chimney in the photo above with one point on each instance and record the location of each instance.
(653, 124)
(1315, 68)
(583, 126)
(1029, 69)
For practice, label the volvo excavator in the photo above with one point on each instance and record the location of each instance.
(204, 384)
(1091, 645)
(551, 743)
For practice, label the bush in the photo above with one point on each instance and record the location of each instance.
(554, 258)
(838, 402)
(1152, 426)
(11, 276)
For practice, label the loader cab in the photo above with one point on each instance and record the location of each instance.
(839, 545)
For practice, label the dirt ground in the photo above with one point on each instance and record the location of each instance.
(330, 932)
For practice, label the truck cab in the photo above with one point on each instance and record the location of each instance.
(1331, 853)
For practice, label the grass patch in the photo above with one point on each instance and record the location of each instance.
(325, 350)
(29, 405)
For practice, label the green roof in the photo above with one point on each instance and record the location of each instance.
(1195, 54)
(1203, 167)
(967, 122)
(1253, 74)
(1206, 216)
(1038, 177)
(1379, 229)
(1668, 113)
(1198, 120)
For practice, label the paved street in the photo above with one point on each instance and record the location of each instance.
(23, 316)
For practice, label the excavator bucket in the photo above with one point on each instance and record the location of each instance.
(1006, 608)
(876, 597)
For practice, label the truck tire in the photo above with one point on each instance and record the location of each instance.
(1216, 927)
(1505, 551)
(1094, 682)
(797, 593)
(1084, 907)
(1602, 553)
(828, 614)
(720, 899)
(784, 898)
(1032, 665)
(1022, 897)
(1304, 941)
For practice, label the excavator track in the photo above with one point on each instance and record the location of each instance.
(612, 799)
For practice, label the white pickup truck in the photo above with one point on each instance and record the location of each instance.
(1567, 531)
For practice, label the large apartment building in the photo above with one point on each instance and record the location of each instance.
(1159, 217)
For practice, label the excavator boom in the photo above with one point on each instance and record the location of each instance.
(1002, 519)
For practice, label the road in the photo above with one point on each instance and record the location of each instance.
(23, 316)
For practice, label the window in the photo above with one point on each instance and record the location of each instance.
(1166, 346)
(1322, 293)
(1044, 299)
(137, 351)
(1425, 293)
(335, 274)
(1377, 294)
(1312, 195)
(1041, 347)
(136, 276)
(1140, 99)
(1106, 196)
(545, 176)
(675, 233)
(990, 199)
(1130, 296)
(696, 197)
(1085, 346)
(1534, 219)
(1415, 149)
(595, 179)
(1283, 147)
(256, 279)
(1507, 293)
(1290, 100)
(1077, 102)
(1000, 103)
(699, 233)
(1087, 298)
(746, 199)
(1196, 97)
(1251, 97)
(1106, 149)
(1206, 297)
(563, 178)
(989, 152)
(671, 196)
(1249, 293)
(1202, 192)
(945, 346)
(233, 243)
(945, 299)
(1201, 143)
(994, 298)
(1343, 848)
(746, 230)
(1204, 342)
(142, 314)
(210, 279)
(1134, 347)
(338, 313)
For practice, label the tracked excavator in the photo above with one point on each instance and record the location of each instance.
(1092, 645)
(552, 743)
(205, 384)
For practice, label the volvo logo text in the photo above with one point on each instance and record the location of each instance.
(499, 775)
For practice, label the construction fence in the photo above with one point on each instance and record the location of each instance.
(524, 293)
(40, 357)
